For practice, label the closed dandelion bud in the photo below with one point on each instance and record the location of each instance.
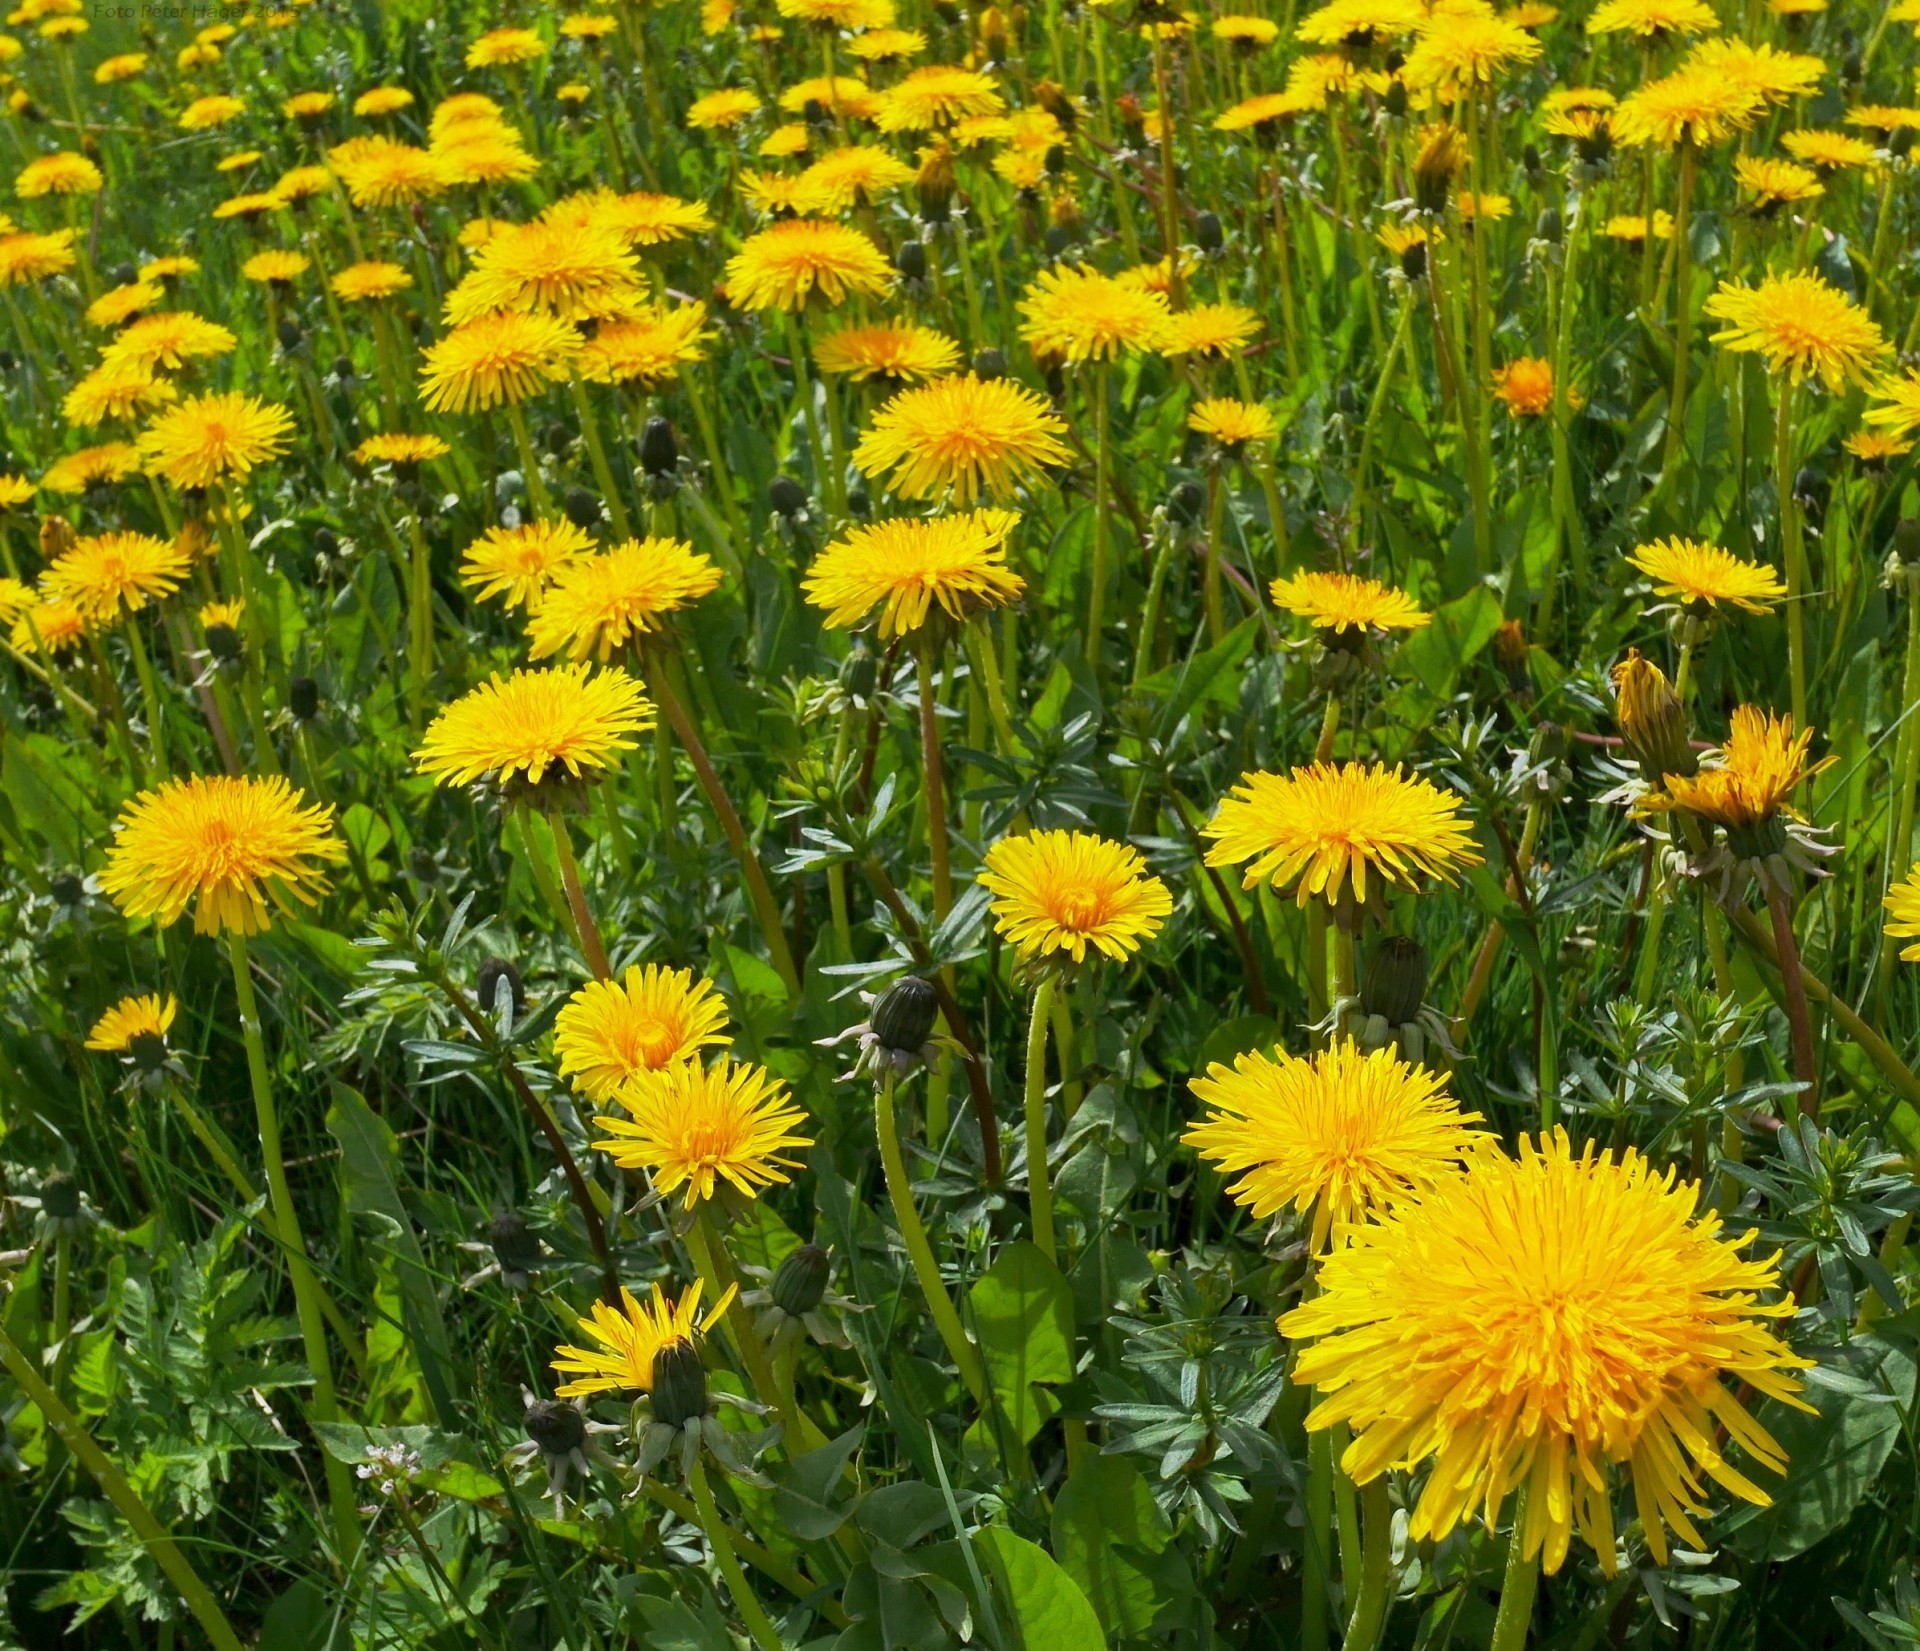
(787, 496)
(934, 185)
(1057, 239)
(303, 698)
(1536, 168)
(679, 1385)
(486, 985)
(343, 368)
(1397, 99)
(859, 671)
(903, 1015)
(659, 452)
(801, 1283)
(515, 1245)
(911, 261)
(1547, 227)
(859, 503)
(558, 439)
(1133, 119)
(990, 362)
(1653, 722)
(68, 888)
(223, 642)
(1055, 160)
(1395, 982)
(1900, 144)
(1209, 235)
(1510, 645)
(1052, 97)
(1413, 260)
(325, 541)
(814, 113)
(1185, 503)
(581, 507)
(558, 1429)
(289, 333)
(993, 30)
(148, 1051)
(1435, 164)
(56, 537)
(1906, 539)
(60, 1197)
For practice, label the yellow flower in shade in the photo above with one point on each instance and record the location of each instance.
(1341, 1133)
(226, 845)
(1057, 893)
(1077, 314)
(1233, 424)
(1257, 114)
(575, 269)
(255, 205)
(842, 95)
(1315, 829)
(119, 305)
(790, 264)
(505, 48)
(115, 390)
(1774, 183)
(276, 267)
(383, 100)
(106, 574)
(612, 1032)
(239, 162)
(496, 360)
(720, 110)
(631, 1337)
(1347, 602)
(132, 1018)
(368, 281)
(520, 728)
(1531, 1323)
(168, 340)
(599, 603)
(1525, 385)
(896, 351)
(1650, 18)
(1760, 767)
(211, 438)
(645, 349)
(1361, 22)
(692, 1126)
(50, 628)
(1769, 73)
(518, 562)
(1458, 51)
(26, 258)
(124, 66)
(1871, 448)
(58, 174)
(1903, 907)
(165, 269)
(1707, 575)
(1693, 106)
(1209, 330)
(1630, 226)
(380, 172)
(937, 96)
(1246, 33)
(400, 448)
(842, 179)
(228, 614)
(970, 436)
(205, 113)
(1799, 326)
(1831, 151)
(906, 565)
(111, 461)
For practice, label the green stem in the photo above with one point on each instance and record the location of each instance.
(1517, 1588)
(938, 849)
(715, 1266)
(529, 462)
(1316, 1608)
(1039, 1187)
(590, 941)
(150, 694)
(1376, 1568)
(1793, 554)
(1682, 319)
(1097, 596)
(597, 455)
(419, 624)
(752, 1613)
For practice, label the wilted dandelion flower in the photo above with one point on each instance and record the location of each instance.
(496, 360)
(1341, 1133)
(1316, 829)
(518, 729)
(612, 1032)
(211, 438)
(226, 845)
(133, 1018)
(107, 574)
(1800, 326)
(906, 566)
(518, 563)
(1077, 314)
(1706, 575)
(599, 603)
(693, 1127)
(1528, 1324)
(790, 264)
(1761, 765)
(968, 435)
(1057, 893)
(631, 1337)
(898, 351)
(1347, 602)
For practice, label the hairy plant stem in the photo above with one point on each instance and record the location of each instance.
(1039, 1186)
(1517, 1587)
(1799, 1020)
(590, 941)
(1682, 319)
(715, 1265)
(1376, 1568)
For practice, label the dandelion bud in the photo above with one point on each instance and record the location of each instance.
(859, 503)
(801, 1283)
(1653, 722)
(1185, 503)
(934, 185)
(859, 671)
(911, 261)
(303, 698)
(223, 642)
(60, 1197)
(68, 888)
(1900, 143)
(679, 1390)
(1435, 165)
(814, 113)
(1397, 100)
(1906, 539)
(325, 541)
(581, 507)
(1058, 238)
(990, 362)
(558, 1429)
(1413, 260)
(787, 496)
(1052, 97)
(1547, 227)
(659, 452)
(1395, 982)
(290, 333)
(1209, 235)
(486, 985)
(1510, 645)
(903, 1015)
(515, 1245)
(1536, 168)
(56, 537)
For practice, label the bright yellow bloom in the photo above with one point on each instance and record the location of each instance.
(119, 305)
(577, 269)
(1647, 18)
(519, 562)
(640, 218)
(631, 1337)
(276, 266)
(496, 360)
(26, 258)
(599, 603)
(1774, 182)
(905, 565)
(612, 1032)
(1347, 602)
(505, 48)
(1706, 574)
(1209, 330)
(883, 45)
(50, 628)
(843, 178)
(124, 66)
(212, 438)
(1233, 424)
(1896, 404)
(646, 348)
(791, 263)
(1254, 114)
(400, 447)
(1689, 106)
(1461, 50)
(1314, 829)
(1833, 151)
(523, 726)
(1077, 314)
(115, 390)
(15, 491)
(383, 100)
(897, 351)
(1769, 73)
(842, 95)
(1527, 1324)
(1246, 33)
(968, 435)
(1869, 447)
(381, 172)
(1060, 892)
(107, 574)
(937, 96)
(1760, 767)
(720, 110)
(1801, 327)
(151, 1016)
(1633, 227)
(1525, 385)
(203, 113)
(227, 845)
(370, 281)
(307, 105)
(58, 174)
(1341, 1133)
(1903, 905)
(692, 1126)
(1361, 22)
(168, 340)
(111, 461)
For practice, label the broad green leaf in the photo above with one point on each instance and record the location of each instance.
(1049, 1611)
(1105, 1522)
(1438, 654)
(1023, 1319)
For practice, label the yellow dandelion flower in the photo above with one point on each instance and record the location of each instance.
(58, 174)
(122, 66)
(1799, 326)
(1233, 424)
(168, 340)
(1629, 226)
(505, 48)
(1246, 33)
(1361, 22)
(400, 447)
(1530, 1323)
(115, 390)
(227, 846)
(844, 178)
(119, 305)
(906, 565)
(524, 726)
(1772, 75)
(518, 563)
(1694, 106)
(631, 1337)
(1342, 1133)
(276, 267)
(577, 270)
(1459, 50)
(966, 435)
(107, 574)
(496, 360)
(1525, 386)
(1210, 330)
(718, 111)
(1315, 829)
(599, 603)
(383, 100)
(111, 461)
(131, 1019)
(1774, 183)
(1871, 448)
(1649, 18)
(213, 437)
(1257, 114)
(15, 491)
(612, 1032)
(694, 1127)
(1831, 151)
(1903, 907)
(370, 281)
(26, 257)
(842, 95)
(1757, 771)
(307, 105)
(1347, 602)
(1895, 405)
(381, 172)
(884, 45)
(205, 113)
(50, 628)
(792, 263)
(1707, 576)
(1061, 892)
(1077, 314)
(647, 348)
(898, 352)
(937, 96)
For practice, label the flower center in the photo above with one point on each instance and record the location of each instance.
(1081, 910)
